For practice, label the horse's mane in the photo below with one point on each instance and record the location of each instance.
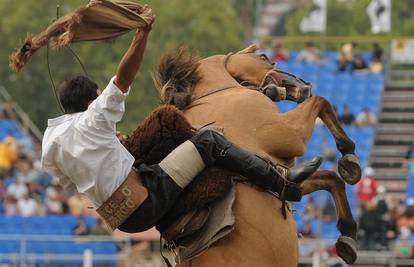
(176, 77)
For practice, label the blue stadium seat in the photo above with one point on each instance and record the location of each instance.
(410, 186)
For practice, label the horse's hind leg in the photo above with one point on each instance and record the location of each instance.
(304, 117)
(329, 181)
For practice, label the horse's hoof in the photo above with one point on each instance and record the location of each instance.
(346, 248)
(349, 169)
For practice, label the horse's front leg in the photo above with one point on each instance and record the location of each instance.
(329, 181)
(304, 116)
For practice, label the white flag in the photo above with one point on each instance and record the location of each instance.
(379, 12)
(315, 21)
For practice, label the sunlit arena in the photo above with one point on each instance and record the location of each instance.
(207, 133)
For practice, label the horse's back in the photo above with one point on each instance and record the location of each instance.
(262, 237)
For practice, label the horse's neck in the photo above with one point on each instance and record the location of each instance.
(214, 76)
(248, 117)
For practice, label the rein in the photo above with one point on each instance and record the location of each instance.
(49, 69)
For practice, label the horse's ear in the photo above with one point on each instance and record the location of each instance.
(251, 49)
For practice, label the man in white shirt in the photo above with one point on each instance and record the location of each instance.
(82, 150)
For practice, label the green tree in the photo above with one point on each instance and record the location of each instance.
(208, 27)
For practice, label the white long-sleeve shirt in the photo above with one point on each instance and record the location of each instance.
(82, 149)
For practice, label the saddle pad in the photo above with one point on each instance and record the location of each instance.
(219, 224)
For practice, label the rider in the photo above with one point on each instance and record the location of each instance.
(82, 150)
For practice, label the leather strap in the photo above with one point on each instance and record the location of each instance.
(123, 202)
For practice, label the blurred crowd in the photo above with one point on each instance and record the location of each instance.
(346, 117)
(383, 224)
(349, 58)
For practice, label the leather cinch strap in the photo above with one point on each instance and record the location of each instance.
(123, 202)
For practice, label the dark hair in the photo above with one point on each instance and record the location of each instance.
(75, 94)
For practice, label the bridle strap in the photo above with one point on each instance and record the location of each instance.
(292, 75)
(226, 59)
(215, 91)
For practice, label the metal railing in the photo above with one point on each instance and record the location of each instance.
(318, 256)
(24, 121)
(24, 256)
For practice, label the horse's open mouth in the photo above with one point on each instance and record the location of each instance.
(284, 87)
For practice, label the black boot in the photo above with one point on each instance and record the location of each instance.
(215, 149)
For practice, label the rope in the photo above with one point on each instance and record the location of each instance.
(50, 71)
(51, 80)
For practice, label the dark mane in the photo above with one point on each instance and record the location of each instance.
(176, 77)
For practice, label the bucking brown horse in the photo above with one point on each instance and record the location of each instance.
(233, 92)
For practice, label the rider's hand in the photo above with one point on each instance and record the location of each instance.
(146, 13)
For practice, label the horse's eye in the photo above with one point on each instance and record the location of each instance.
(264, 57)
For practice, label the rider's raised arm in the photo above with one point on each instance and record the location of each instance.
(131, 61)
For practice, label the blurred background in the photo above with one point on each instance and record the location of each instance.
(359, 54)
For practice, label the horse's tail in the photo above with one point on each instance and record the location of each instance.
(176, 77)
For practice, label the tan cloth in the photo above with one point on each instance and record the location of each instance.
(183, 164)
(99, 20)
(219, 224)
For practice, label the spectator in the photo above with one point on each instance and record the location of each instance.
(367, 186)
(310, 54)
(407, 218)
(377, 53)
(55, 198)
(328, 211)
(370, 225)
(347, 117)
(311, 211)
(27, 206)
(24, 170)
(347, 51)
(383, 211)
(366, 118)
(10, 206)
(78, 204)
(7, 154)
(409, 159)
(359, 65)
(403, 249)
(17, 189)
(81, 228)
(377, 59)
(280, 53)
(8, 111)
(393, 216)
(342, 63)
